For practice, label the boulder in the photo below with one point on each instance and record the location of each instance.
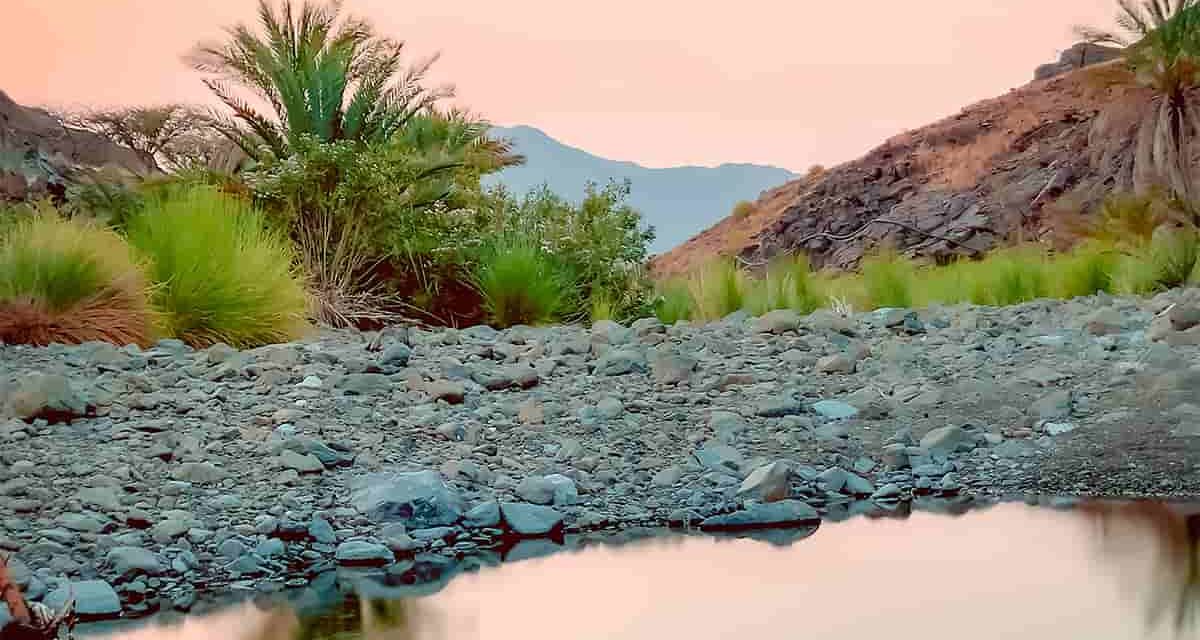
(419, 500)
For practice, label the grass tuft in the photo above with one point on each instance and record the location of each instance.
(521, 283)
(219, 274)
(674, 302)
(68, 282)
(888, 280)
(719, 290)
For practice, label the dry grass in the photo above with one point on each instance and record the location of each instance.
(69, 283)
(959, 165)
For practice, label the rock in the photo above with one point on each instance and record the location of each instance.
(610, 408)
(834, 409)
(1106, 321)
(53, 398)
(768, 483)
(396, 355)
(1058, 428)
(720, 457)
(94, 599)
(620, 362)
(301, 463)
(895, 457)
(674, 369)
(833, 479)
(1184, 315)
(363, 553)
(363, 384)
(420, 499)
(531, 520)
(785, 513)
(552, 489)
(781, 405)
(510, 377)
(837, 363)
(779, 321)
(1054, 406)
(611, 333)
(667, 477)
(857, 485)
(483, 516)
(944, 441)
(446, 390)
(887, 492)
(321, 531)
(199, 473)
(128, 560)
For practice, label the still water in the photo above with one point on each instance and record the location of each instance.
(1102, 571)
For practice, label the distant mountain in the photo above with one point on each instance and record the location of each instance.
(678, 201)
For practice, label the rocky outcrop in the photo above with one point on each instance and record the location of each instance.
(1083, 54)
(39, 156)
(1001, 169)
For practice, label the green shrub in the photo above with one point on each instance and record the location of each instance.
(743, 209)
(1174, 255)
(718, 290)
(521, 283)
(602, 307)
(787, 284)
(888, 279)
(219, 274)
(674, 302)
(1085, 271)
(69, 282)
(1009, 276)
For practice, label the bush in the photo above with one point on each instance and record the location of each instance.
(219, 274)
(787, 284)
(743, 209)
(719, 290)
(674, 302)
(68, 282)
(521, 283)
(1089, 269)
(1174, 255)
(1009, 276)
(888, 279)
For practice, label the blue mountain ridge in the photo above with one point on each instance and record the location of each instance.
(679, 202)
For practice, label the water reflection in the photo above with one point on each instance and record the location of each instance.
(1102, 571)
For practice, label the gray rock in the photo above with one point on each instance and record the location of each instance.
(780, 405)
(199, 473)
(552, 489)
(53, 398)
(321, 531)
(510, 377)
(1184, 315)
(610, 408)
(833, 479)
(837, 363)
(363, 384)
(363, 553)
(419, 500)
(127, 560)
(301, 463)
(396, 355)
(768, 483)
(531, 520)
(779, 321)
(834, 409)
(857, 485)
(621, 362)
(720, 457)
(674, 369)
(94, 599)
(1053, 406)
(785, 513)
(888, 492)
(482, 516)
(944, 441)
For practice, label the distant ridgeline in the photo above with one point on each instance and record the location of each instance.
(678, 202)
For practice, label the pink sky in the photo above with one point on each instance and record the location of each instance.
(659, 82)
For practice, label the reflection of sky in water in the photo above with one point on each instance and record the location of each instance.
(1008, 572)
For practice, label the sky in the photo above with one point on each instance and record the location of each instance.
(660, 82)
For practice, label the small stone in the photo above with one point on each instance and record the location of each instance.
(621, 362)
(667, 477)
(301, 463)
(777, 322)
(552, 489)
(837, 363)
(310, 382)
(768, 483)
(944, 441)
(531, 520)
(363, 553)
(396, 355)
(834, 409)
(126, 560)
(1054, 406)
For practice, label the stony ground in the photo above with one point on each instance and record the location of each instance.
(134, 479)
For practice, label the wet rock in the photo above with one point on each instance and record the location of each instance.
(419, 500)
(321, 531)
(785, 513)
(768, 483)
(363, 553)
(483, 516)
(94, 599)
(531, 520)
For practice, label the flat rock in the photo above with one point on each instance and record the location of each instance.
(94, 599)
(785, 513)
(530, 519)
(364, 553)
(419, 500)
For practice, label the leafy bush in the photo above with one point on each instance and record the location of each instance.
(743, 209)
(521, 283)
(888, 279)
(68, 282)
(219, 274)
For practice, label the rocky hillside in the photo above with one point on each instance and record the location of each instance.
(39, 156)
(999, 168)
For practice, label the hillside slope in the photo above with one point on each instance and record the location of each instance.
(678, 201)
(1001, 169)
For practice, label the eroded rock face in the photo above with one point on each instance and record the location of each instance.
(39, 156)
(1082, 54)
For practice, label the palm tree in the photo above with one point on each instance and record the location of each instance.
(322, 76)
(1161, 39)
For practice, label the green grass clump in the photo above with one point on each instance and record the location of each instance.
(521, 283)
(603, 307)
(219, 274)
(1091, 268)
(888, 280)
(719, 290)
(1174, 255)
(1009, 276)
(674, 302)
(743, 209)
(70, 282)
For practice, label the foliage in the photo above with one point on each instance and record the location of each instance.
(1173, 256)
(719, 290)
(107, 201)
(522, 283)
(69, 282)
(743, 209)
(888, 280)
(674, 302)
(1089, 269)
(330, 78)
(219, 274)
(1161, 39)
